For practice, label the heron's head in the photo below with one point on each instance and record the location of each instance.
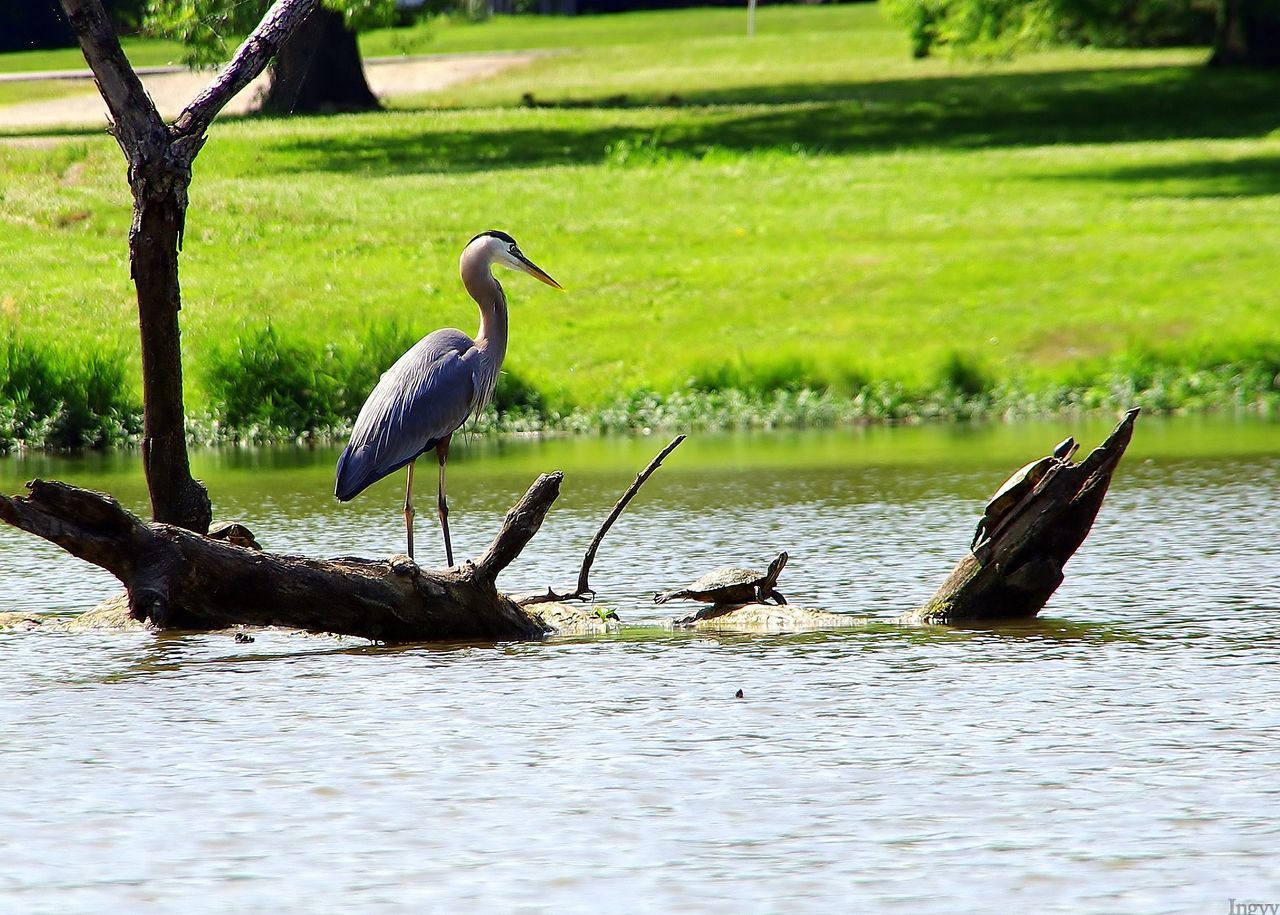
(501, 248)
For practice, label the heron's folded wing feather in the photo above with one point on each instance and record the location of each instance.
(421, 399)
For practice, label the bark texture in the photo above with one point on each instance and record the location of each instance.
(177, 579)
(159, 160)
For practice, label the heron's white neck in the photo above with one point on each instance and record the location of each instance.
(477, 276)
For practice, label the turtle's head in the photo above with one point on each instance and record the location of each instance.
(776, 567)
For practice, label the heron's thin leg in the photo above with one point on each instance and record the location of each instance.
(442, 453)
(408, 509)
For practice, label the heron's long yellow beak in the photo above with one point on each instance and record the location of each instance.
(535, 271)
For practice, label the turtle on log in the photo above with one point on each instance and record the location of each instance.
(731, 585)
(235, 533)
(1013, 490)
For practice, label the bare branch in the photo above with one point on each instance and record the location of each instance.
(518, 528)
(584, 591)
(250, 59)
(135, 120)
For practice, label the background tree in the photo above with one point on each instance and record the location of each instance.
(318, 69)
(1248, 33)
(1242, 31)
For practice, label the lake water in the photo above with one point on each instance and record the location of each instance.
(1120, 754)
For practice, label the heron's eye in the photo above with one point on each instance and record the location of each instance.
(515, 249)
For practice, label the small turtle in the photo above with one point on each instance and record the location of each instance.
(1015, 489)
(235, 533)
(732, 586)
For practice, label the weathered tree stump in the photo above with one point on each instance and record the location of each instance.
(1013, 574)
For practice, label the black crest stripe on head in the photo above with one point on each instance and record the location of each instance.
(503, 236)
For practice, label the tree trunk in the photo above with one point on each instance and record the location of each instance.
(1248, 34)
(160, 182)
(159, 174)
(319, 70)
(160, 157)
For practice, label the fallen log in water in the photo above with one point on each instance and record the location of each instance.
(182, 580)
(177, 579)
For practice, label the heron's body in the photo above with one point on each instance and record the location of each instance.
(419, 402)
(445, 378)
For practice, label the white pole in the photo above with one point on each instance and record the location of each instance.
(751, 18)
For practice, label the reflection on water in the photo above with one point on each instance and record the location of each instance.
(1116, 755)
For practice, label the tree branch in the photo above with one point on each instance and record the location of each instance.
(134, 118)
(518, 528)
(584, 591)
(250, 59)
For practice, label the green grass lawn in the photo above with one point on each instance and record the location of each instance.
(35, 90)
(810, 207)
(142, 52)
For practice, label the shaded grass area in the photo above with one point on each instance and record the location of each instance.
(808, 228)
(971, 112)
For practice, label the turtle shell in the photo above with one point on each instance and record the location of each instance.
(728, 581)
(234, 532)
(1012, 490)
(731, 584)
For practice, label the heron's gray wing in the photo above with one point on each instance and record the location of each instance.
(420, 400)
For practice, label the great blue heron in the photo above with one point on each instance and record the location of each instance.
(432, 389)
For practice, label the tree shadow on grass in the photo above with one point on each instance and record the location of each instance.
(961, 112)
(1247, 176)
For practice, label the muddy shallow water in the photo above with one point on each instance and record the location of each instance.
(1119, 754)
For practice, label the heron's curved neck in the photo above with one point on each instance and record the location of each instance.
(478, 278)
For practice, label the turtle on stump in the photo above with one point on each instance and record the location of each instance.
(731, 585)
(1014, 490)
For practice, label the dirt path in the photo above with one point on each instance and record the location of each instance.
(388, 76)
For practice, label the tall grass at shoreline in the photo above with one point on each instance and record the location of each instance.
(266, 388)
(59, 397)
